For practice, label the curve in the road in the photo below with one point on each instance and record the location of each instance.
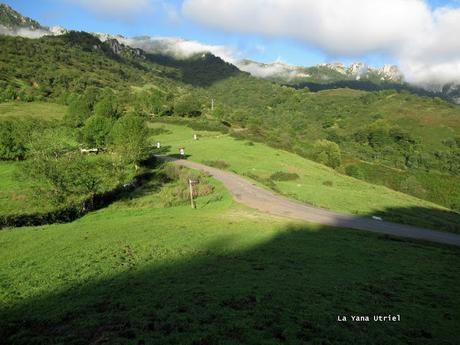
(253, 196)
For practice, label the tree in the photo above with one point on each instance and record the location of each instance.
(48, 144)
(62, 174)
(77, 113)
(328, 153)
(107, 106)
(12, 140)
(96, 131)
(187, 105)
(354, 171)
(129, 136)
(71, 178)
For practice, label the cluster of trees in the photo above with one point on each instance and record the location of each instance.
(62, 174)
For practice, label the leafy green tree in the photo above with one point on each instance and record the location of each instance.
(71, 178)
(50, 143)
(77, 113)
(62, 174)
(328, 153)
(96, 131)
(129, 138)
(187, 105)
(12, 140)
(107, 107)
(354, 171)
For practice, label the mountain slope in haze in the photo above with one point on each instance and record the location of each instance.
(355, 76)
(13, 20)
(12, 23)
(323, 73)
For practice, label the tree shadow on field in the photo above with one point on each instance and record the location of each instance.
(287, 290)
(435, 219)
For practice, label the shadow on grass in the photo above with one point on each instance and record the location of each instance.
(288, 290)
(435, 219)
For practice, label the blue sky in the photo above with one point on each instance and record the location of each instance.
(166, 19)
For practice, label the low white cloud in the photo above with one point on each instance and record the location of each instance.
(180, 48)
(423, 40)
(275, 69)
(24, 32)
(126, 9)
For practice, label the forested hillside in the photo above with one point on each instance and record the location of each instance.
(407, 142)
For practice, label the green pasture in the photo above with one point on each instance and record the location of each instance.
(316, 184)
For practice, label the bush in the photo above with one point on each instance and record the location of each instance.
(354, 171)
(328, 153)
(217, 164)
(284, 176)
(129, 138)
(77, 113)
(96, 131)
(12, 140)
(179, 192)
(187, 105)
(413, 187)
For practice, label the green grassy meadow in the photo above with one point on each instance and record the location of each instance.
(139, 273)
(316, 184)
(16, 192)
(33, 110)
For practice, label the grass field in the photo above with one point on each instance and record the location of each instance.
(45, 111)
(16, 192)
(138, 273)
(316, 184)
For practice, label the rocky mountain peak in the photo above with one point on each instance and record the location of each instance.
(11, 19)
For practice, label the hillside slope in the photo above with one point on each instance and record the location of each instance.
(301, 179)
(413, 138)
(138, 272)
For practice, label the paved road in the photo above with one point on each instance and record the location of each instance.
(253, 196)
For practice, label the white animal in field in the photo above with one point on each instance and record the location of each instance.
(88, 151)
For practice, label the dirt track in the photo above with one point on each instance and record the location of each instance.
(253, 196)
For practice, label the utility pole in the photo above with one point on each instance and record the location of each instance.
(192, 202)
(212, 104)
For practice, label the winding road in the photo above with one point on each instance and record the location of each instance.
(258, 198)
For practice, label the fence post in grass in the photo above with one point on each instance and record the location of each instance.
(192, 202)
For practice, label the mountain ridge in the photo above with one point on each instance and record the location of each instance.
(318, 77)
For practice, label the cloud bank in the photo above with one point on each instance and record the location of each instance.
(180, 48)
(23, 32)
(423, 40)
